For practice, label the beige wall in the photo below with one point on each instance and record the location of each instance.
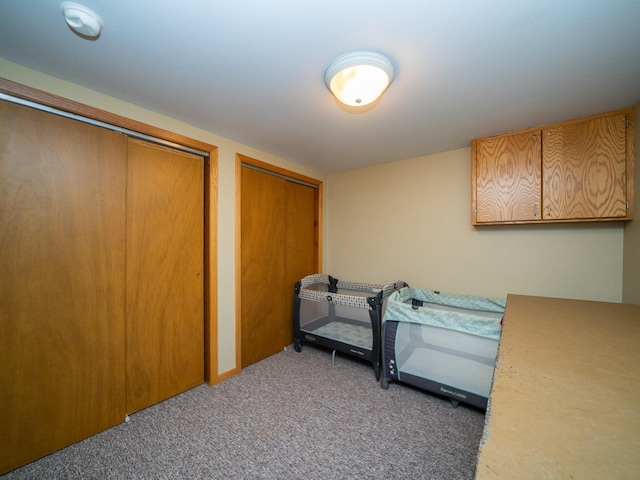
(631, 274)
(410, 220)
(407, 220)
(227, 150)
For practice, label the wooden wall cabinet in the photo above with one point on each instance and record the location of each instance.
(575, 171)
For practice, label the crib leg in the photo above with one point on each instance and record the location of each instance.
(333, 358)
(454, 403)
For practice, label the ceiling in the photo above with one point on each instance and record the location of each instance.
(252, 70)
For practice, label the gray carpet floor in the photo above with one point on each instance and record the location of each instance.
(290, 416)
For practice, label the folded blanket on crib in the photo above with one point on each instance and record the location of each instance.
(465, 313)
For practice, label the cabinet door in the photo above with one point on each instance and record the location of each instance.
(584, 166)
(62, 242)
(164, 273)
(507, 178)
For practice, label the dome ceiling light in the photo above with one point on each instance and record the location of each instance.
(359, 78)
(82, 20)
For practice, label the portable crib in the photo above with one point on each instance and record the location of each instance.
(342, 316)
(442, 343)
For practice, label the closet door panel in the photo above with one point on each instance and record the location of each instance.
(265, 326)
(301, 244)
(164, 273)
(278, 247)
(62, 242)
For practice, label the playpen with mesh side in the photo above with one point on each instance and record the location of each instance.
(442, 343)
(341, 316)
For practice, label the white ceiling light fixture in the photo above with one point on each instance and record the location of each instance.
(82, 20)
(359, 78)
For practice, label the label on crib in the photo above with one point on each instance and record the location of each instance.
(453, 392)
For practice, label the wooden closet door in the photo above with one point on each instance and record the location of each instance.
(164, 273)
(301, 242)
(62, 242)
(263, 283)
(279, 247)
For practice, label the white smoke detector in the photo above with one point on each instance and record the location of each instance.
(81, 19)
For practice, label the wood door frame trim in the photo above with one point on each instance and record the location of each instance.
(41, 97)
(240, 159)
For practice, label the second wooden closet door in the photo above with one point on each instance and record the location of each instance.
(164, 273)
(279, 246)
